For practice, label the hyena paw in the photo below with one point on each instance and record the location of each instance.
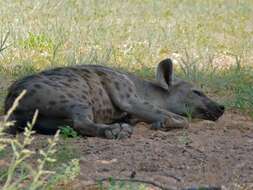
(175, 122)
(118, 131)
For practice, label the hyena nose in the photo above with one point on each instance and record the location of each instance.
(222, 108)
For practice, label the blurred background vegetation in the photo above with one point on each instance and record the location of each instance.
(211, 41)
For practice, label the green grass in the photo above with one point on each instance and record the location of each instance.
(121, 185)
(135, 35)
(22, 167)
(65, 153)
(68, 132)
(132, 35)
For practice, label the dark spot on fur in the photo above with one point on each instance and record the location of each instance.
(159, 111)
(80, 100)
(84, 91)
(100, 73)
(103, 83)
(122, 96)
(65, 84)
(32, 92)
(109, 110)
(70, 95)
(62, 108)
(101, 92)
(72, 106)
(75, 69)
(97, 112)
(75, 86)
(52, 103)
(84, 97)
(105, 102)
(54, 84)
(87, 71)
(62, 96)
(57, 69)
(75, 80)
(85, 75)
(105, 112)
(127, 95)
(64, 101)
(70, 80)
(117, 86)
(130, 89)
(38, 86)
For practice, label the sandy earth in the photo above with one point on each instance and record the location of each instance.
(208, 153)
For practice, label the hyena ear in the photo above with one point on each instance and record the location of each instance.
(164, 73)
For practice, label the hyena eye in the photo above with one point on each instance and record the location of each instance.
(198, 93)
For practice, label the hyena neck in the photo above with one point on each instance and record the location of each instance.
(150, 91)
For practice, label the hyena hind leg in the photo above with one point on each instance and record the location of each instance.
(86, 127)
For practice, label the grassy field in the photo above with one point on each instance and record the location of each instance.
(210, 41)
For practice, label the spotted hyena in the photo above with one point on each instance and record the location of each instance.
(100, 101)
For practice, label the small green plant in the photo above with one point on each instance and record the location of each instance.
(40, 42)
(184, 139)
(65, 153)
(66, 173)
(3, 41)
(68, 132)
(19, 173)
(115, 184)
(189, 111)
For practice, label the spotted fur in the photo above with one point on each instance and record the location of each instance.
(96, 100)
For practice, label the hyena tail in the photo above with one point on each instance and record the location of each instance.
(43, 125)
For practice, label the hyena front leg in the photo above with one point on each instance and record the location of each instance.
(147, 112)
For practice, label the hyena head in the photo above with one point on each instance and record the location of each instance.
(183, 98)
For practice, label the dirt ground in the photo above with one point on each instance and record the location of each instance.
(208, 153)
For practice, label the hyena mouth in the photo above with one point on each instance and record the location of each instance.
(215, 113)
(212, 114)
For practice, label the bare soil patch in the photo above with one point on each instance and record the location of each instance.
(208, 153)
